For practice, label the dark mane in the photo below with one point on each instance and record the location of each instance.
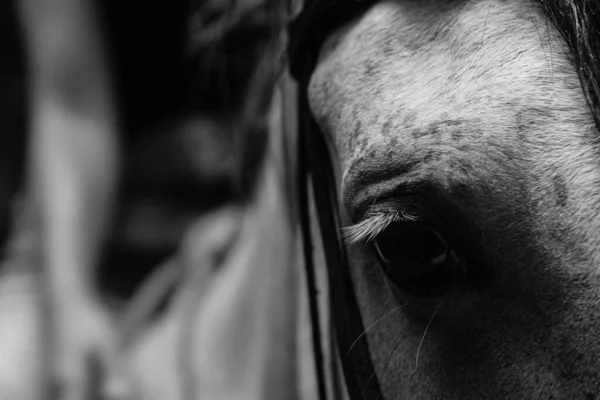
(578, 21)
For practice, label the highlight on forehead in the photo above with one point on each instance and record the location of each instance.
(374, 222)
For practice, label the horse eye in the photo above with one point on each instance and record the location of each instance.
(418, 260)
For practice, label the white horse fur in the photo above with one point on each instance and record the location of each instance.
(474, 107)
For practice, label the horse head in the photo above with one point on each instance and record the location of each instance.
(464, 143)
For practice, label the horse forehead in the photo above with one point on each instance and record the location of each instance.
(434, 73)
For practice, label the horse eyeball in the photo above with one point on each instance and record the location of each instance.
(417, 259)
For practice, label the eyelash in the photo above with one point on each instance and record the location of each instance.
(374, 224)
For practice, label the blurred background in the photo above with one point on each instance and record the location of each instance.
(190, 86)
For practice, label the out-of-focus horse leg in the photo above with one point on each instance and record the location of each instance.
(72, 166)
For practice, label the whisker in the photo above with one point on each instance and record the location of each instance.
(486, 21)
(372, 325)
(396, 346)
(425, 333)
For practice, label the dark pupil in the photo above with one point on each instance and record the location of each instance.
(415, 257)
(411, 247)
